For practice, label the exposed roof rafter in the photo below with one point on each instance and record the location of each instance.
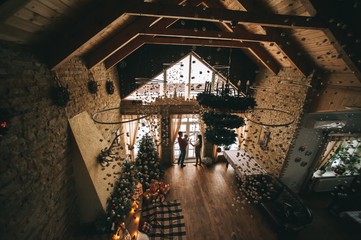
(222, 15)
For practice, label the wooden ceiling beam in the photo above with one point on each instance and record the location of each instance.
(126, 50)
(262, 56)
(298, 58)
(254, 50)
(141, 40)
(344, 31)
(293, 52)
(119, 40)
(222, 15)
(216, 35)
(123, 37)
(343, 54)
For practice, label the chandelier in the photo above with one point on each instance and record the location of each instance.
(226, 98)
(218, 103)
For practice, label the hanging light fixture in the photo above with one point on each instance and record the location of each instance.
(227, 97)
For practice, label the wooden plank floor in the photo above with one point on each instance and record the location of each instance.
(213, 208)
(212, 205)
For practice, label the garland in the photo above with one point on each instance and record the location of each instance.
(227, 102)
(220, 119)
(221, 136)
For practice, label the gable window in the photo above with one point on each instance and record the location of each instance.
(183, 79)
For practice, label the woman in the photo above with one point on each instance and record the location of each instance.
(197, 147)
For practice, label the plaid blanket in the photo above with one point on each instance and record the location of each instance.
(166, 220)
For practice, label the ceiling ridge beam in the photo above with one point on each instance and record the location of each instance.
(223, 15)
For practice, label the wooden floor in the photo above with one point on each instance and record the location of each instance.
(213, 208)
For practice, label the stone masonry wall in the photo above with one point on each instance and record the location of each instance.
(285, 92)
(37, 189)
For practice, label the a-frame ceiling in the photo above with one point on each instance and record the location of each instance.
(275, 34)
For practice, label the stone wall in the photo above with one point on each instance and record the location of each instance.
(285, 92)
(37, 190)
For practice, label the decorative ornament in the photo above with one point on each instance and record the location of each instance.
(108, 155)
(92, 87)
(60, 94)
(4, 121)
(109, 86)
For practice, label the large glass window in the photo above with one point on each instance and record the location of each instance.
(183, 79)
(342, 157)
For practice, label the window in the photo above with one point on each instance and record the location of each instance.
(190, 126)
(184, 79)
(342, 157)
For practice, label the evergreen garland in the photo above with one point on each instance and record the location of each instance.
(147, 162)
(221, 136)
(120, 201)
(227, 102)
(219, 119)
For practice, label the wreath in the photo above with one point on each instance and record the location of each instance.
(60, 96)
(109, 87)
(92, 87)
(220, 119)
(227, 102)
(221, 136)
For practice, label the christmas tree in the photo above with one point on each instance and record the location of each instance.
(120, 201)
(147, 162)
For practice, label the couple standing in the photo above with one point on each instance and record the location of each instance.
(183, 143)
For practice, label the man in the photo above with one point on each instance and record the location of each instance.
(182, 147)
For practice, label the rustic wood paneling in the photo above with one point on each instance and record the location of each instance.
(341, 91)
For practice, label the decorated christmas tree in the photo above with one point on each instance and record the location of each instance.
(120, 201)
(147, 162)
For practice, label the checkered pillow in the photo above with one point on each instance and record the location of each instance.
(146, 228)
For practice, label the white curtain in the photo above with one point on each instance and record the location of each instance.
(153, 121)
(176, 121)
(240, 136)
(131, 131)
